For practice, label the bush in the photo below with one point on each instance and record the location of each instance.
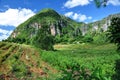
(16, 40)
(57, 39)
(43, 39)
(87, 39)
(114, 32)
(116, 76)
(19, 71)
(100, 38)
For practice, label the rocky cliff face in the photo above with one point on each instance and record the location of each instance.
(102, 24)
(58, 25)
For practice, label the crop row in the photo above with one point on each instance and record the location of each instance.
(88, 62)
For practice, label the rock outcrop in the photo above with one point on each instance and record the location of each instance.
(58, 25)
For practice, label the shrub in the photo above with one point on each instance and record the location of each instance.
(114, 32)
(43, 39)
(19, 71)
(100, 38)
(87, 39)
(57, 39)
(116, 76)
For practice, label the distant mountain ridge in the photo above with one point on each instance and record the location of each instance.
(59, 25)
(104, 23)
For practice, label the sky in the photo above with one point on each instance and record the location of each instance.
(15, 12)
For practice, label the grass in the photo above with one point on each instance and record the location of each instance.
(22, 62)
(68, 62)
(90, 56)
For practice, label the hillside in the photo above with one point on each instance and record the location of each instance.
(57, 25)
(102, 24)
(73, 61)
(62, 28)
(22, 62)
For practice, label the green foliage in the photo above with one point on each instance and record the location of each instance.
(81, 73)
(100, 38)
(65, 27)
(73, 61)
(19, 71)
(61, 39)
(100, 3)
(16, 40)
(15, 65)
(69, 35)
(43, 39)
(116, 76)
(49, 14)
(57, 39)
(114, 31)
(73, 40)
(76, 72)
(87, 38)
(83, 61)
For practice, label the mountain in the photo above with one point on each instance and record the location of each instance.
(102, 24)
(59, 26)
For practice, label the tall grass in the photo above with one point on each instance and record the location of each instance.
(98, 59)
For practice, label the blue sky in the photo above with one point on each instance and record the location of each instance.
(15, 12)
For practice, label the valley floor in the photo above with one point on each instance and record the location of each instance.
(68, 62)
(95, 62)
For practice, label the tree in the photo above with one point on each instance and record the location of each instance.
(100, 3)
(114, 32)
(44, 39)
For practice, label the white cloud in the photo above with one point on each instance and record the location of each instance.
(82, 17)
(4, 34)
(89, 17)
(114, 2)
(14, 17)
(76, 16)
(74, 3)
(3, 37)
(94, 20)
(69, 14)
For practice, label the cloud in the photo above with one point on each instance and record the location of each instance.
(68, 14)
(74, 3)
(14, 17)
(76, 16)
(4, 34)
(114, 2)
(94, 20)
(89, 17)
(3, 37)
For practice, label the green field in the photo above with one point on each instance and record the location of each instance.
(22, 62)
(68, 62)
(96, 62)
